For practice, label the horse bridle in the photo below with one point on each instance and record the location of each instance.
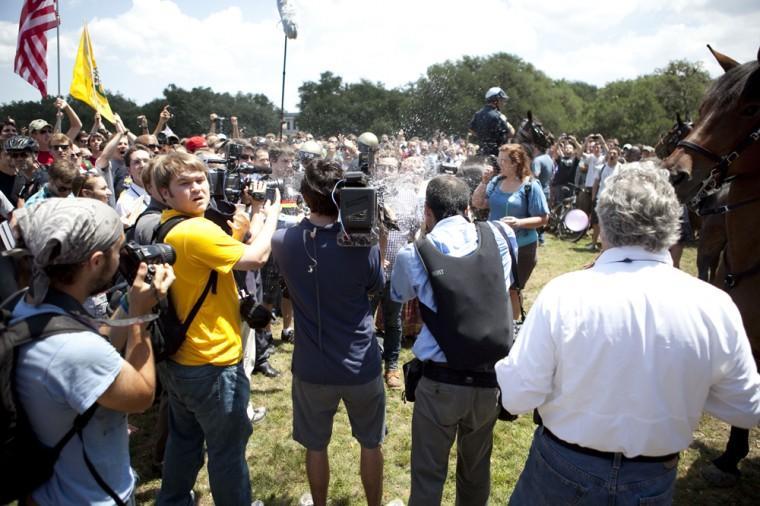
(718, 172)
(714, 181)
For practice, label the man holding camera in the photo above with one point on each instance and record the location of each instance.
(208, 387)
(460, 272)
(75, 246)
(336, 356)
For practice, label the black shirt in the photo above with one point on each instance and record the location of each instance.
(565, 173)
(490, 128)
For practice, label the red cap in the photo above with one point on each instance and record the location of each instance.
(195, 143)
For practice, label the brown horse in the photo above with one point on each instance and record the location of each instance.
(724, 145)
(711, 224)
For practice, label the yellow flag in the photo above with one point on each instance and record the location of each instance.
(86, 85)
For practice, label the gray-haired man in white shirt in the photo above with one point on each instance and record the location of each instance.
(622, 358)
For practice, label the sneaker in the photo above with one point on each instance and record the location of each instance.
(592, 247)
(396, 502)
(306, 500)
(287, 335)
(393, 379)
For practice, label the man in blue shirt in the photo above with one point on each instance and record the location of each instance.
(459, 342)
(336, 356)
(75, 244)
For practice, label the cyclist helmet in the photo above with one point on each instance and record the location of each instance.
(21, 143)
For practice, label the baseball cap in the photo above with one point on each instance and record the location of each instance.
(195, 143)
(38, 124)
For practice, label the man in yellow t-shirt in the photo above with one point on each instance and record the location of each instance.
(208, 388)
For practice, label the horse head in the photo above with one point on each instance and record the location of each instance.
(670, 139)
(532, 132)
(724, 141)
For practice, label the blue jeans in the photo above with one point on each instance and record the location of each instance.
(392, 324)
(554, 474)
(206, 402)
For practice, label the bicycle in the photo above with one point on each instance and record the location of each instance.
(563, 224)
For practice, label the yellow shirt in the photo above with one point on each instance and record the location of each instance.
(214, 335)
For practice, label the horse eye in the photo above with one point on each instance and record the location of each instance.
(751, 110)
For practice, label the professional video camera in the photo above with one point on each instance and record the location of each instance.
(358, 211)
(133, 254)
(228, 176)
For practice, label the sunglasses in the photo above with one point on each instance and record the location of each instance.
(245, 157)
(18, 155)
(154, 146)
(60, 147)
(45, 131)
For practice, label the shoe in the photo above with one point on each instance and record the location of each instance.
(287, 335)
(592, 247)
(267, 370)
(306, 500)
(393, 379)
(256, 415)
(396, 502)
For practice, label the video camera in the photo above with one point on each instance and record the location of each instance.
(133, 254)
(228, 183)
(358, 211)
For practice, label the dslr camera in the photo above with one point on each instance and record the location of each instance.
(133, 254)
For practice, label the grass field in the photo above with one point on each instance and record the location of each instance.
(276, 461)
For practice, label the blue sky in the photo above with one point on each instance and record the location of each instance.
(144, 45)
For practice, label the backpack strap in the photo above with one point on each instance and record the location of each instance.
(44, 325)
(515, 275)
(161, 233)
(79, 424)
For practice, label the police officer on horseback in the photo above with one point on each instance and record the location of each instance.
(490, 125)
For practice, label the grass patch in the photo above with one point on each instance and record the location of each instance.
(276, 462)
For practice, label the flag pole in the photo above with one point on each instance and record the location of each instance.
(58, 42)
(282, 100)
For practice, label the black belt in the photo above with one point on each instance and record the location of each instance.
(606, 455)
(445, 374)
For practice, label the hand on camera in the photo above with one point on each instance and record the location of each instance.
(272, 209)
(240, 225)
(145, 293)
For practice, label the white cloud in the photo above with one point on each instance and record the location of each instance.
(155, 43)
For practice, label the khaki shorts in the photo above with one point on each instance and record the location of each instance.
(314, 408)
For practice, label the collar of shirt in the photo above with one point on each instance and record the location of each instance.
(452, 234)
(139, 191)
(628, 254)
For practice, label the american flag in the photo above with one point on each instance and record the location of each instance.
(37, 17)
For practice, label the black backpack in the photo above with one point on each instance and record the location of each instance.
(25, 463)
(167, 332)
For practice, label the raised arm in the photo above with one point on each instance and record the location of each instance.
(163, 119)
(75, 124)
(108, 151)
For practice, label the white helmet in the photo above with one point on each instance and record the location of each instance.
(495, 93)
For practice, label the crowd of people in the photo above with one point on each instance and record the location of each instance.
(618, 378)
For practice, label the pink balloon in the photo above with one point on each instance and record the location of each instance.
(576, 220)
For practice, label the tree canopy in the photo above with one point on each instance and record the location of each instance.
(443, 100)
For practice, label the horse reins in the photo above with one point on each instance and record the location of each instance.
(717, 176)
(714, 181)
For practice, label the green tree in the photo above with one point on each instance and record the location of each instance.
(680, 87)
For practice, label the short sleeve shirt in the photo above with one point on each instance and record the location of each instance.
(517, 204)
(58, 378)
(214, 335)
